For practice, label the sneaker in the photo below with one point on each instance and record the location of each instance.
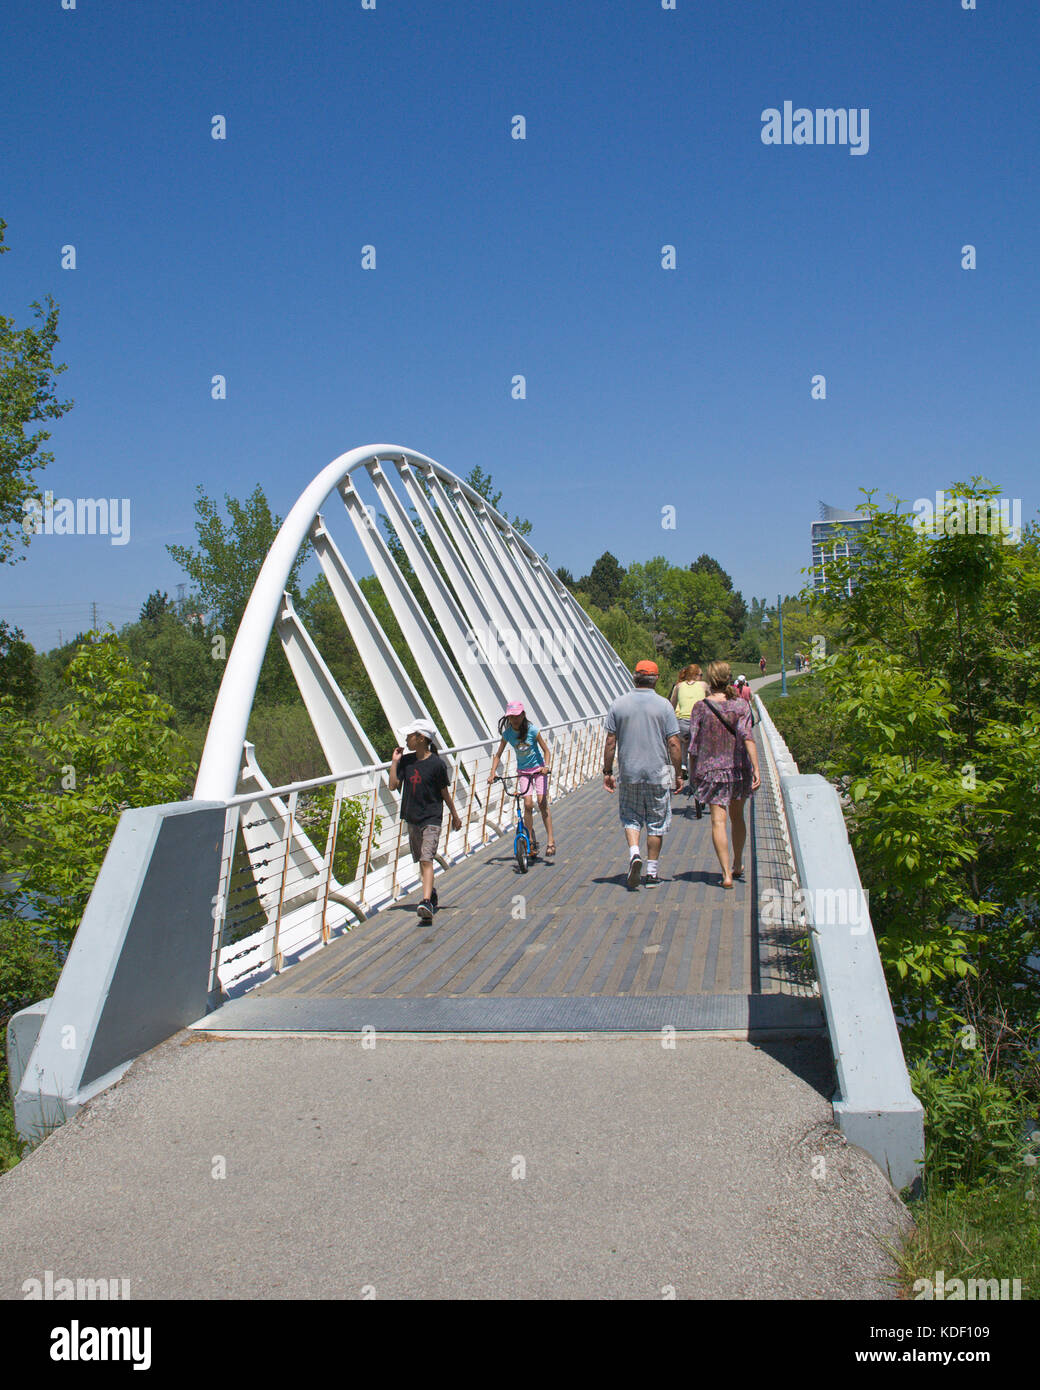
(425, 910)
(651, 881)
(635, 871)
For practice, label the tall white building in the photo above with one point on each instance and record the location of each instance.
(833, 537)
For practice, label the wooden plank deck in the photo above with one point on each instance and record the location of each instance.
(570, 928)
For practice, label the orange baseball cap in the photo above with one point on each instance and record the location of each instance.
(647, 667)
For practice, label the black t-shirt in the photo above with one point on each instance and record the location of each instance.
(422, 781)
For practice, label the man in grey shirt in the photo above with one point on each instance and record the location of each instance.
(643, 730)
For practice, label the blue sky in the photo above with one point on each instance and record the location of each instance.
(646, 387)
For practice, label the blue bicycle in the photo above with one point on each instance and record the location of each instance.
(522, 847)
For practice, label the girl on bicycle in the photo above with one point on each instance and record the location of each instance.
(525, 740)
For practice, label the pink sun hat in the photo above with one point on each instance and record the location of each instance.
(514, 708)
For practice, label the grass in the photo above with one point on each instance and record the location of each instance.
(985, 1232)
(10, 1142)
(805, 686)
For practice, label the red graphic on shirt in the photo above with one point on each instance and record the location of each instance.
(414, 779)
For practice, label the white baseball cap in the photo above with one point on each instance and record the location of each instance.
(419, 726)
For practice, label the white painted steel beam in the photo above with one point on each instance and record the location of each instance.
(518, 567)
(532, 682)
(472, 558)
(496, 582)
(514, 596)
(454, 703)
(602, 658)
(401, 702)
(485, 577)
(481, 677)
(344, 742)
(590, 695)
(473, 602)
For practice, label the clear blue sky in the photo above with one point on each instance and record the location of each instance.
(645, 387)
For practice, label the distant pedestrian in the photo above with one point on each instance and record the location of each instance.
(687, 690)
(644, 733)
(762, 664)
(423, 778)
(797, 662)
(724, 766)
(743, 689)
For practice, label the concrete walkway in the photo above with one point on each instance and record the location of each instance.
(711, 1169)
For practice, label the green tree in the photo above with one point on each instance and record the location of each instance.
(227, 562)
(180, 657)
(642, 593)
(735, 607)
(937, 692)
(154, 606)
(603, 582)
(224, 569)
(65, 779)
(481, 482)
(629, 639)
(687, 610)
(27, 373)
(18, 677)
(696, 614)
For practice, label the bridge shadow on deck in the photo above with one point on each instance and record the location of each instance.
(566, 947)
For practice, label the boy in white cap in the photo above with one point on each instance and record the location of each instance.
(423, 779)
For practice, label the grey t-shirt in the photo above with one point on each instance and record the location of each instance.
(643, 722)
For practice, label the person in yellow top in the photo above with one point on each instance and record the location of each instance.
(686, 692)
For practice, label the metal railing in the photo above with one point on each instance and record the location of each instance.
(280, 896)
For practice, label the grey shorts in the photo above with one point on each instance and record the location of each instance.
(645, 803)
(422, 840)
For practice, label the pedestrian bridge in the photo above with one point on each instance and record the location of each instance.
(260, 909)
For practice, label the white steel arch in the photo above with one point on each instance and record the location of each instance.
(471, 565)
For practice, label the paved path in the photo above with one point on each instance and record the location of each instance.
(644, 1168)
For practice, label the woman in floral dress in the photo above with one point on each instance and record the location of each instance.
(723, 765)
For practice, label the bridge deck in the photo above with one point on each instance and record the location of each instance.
(567, 930)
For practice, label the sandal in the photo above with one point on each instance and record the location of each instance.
(550, 850)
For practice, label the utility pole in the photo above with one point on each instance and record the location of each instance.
(783, 668)
(93, 610)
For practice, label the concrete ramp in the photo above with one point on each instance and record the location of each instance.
(318, 1168)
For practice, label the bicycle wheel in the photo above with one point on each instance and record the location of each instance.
(520, 850)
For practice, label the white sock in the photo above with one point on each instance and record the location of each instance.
(633, 851)
(651, 866)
